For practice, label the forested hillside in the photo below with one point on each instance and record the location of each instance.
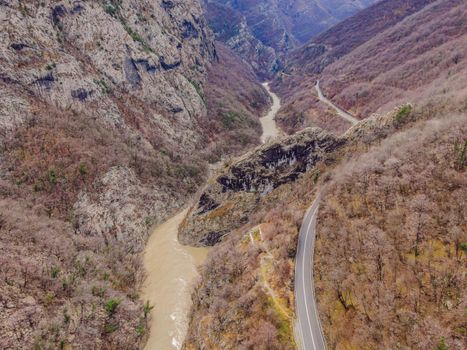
(391, 53)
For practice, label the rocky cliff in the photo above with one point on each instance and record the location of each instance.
(233, 193)
(263, 32)
(105, 129)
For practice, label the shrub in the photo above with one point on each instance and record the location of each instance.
(103, 86)
(403, 112)
(147, 309)
(461, 151)
(50, 66)
(54, 272)
(82, 169)
(140, 330)
(110, 327)
(442, 345)
(66, 318)
(198, 88)
(138, 38)
(111, 10)
(229, 119)
(52, 176)
(111, 305)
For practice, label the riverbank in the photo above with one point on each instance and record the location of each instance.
(172, 267)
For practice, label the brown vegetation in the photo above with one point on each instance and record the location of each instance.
(99, 140)
(391, 53)
(233, 308)
(233, 280)
(252, 279)
(390, 264)
(234, 100)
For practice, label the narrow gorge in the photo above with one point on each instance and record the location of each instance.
(233, 174)
(171, 267)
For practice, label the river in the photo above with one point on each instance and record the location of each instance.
(171, 268)
(270, 129)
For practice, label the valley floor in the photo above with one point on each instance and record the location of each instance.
(171, 267)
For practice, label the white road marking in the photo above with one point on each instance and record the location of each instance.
(303, 274)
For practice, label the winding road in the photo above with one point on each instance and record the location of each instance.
(340, 112)
(310, 333)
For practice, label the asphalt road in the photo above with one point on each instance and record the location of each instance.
(340, 112)
(309, 327)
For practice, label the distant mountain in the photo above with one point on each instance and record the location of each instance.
(263, 31)
(393, 52)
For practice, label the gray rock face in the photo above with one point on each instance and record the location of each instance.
(110, 49)
(100, 108)
(131, 72)
(264, 31)
(109, 61)
(280, 163)
(232, 194)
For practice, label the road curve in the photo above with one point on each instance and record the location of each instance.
(308, 323)
(340, 112)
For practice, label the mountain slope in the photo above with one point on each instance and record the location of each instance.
(393, 195)
(388, 217)
(263, 32)
(388, 54)
(107, 125)
(390, 253)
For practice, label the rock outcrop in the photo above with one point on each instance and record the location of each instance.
(232, 194)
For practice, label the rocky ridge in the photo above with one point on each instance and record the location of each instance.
(234, 192)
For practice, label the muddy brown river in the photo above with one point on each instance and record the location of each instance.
(171, 268)
(270, 129)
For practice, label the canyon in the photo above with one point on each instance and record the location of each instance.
(171, 268)
(110, 114)
(153, 186)
(264, 32)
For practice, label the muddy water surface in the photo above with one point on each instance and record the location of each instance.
(270, 129)
(171, 269)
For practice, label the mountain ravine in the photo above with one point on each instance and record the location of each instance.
(326, 206)
(171, 269)
(110, 114)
